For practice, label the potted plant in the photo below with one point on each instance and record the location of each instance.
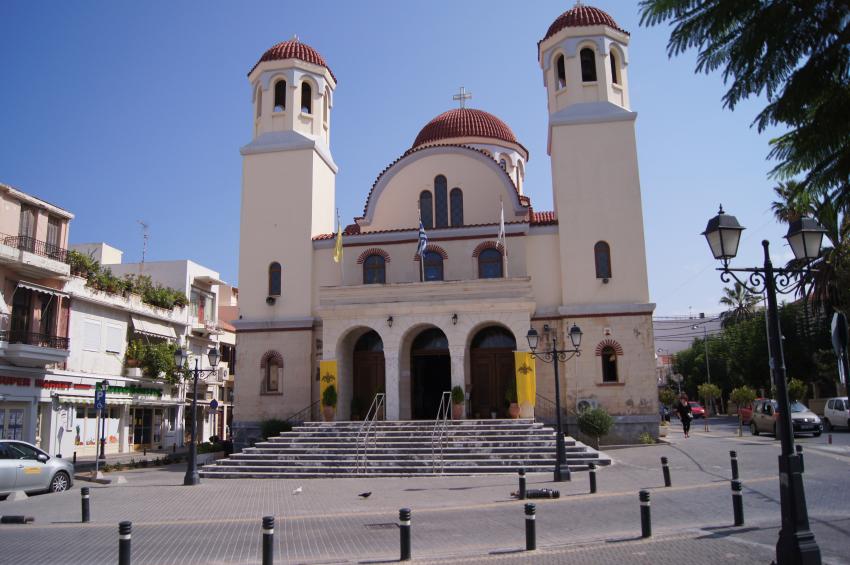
(329, 398)
(457, 403)
(510, 397)
(595, 422)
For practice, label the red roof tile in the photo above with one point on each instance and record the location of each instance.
(580, 16)
(465, 122)
(543, 218)
(293, 49)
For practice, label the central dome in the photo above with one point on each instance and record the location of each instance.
(293, 49)
(581, 16)
(464, 122)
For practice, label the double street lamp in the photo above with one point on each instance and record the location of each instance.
(557, 356)
(796, 544)
(181, 356)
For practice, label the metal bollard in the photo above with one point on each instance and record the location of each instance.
(404, 533)
(84, 492)
(530, 527)
(125, 529)
(645, 517)
(799, 449)
(733, 456)
(737, 503)
(829, 439)
(522, 484)
(666, 470)
(75, 457)
(592, 474)
(268, 540)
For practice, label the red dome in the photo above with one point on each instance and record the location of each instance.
(464, 122)
(294, 49)
(580, 16)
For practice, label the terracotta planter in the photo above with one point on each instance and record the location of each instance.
(328, 413)
(513, 410)
(457, 411)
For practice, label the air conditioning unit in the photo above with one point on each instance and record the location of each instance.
(222, 373)
(583, 404)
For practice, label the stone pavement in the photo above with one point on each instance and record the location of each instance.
(464, 519)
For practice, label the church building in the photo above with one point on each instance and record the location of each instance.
(413, 323)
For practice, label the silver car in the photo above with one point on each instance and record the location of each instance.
(27, 468)
(803, 420)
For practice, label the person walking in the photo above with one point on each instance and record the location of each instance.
(683, 408)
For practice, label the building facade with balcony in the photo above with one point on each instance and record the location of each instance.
(413, 322)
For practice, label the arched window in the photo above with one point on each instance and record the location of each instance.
(426, 209)
(307, 98)
(588, 65)
(374, 270)
(614, 78)
(609, 365)
(456, 199)
(433, 266)
(280, 96)
(602, 258)
(274, 279)
(441, 201)
(272, 367)
(259, 98)
(560, 72)
(503, 164)
(490, 264)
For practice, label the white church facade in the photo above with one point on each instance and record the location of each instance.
(414, 326)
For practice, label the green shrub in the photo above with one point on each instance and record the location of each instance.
(457, 395)
(510, 393)
(796, 390)
(154, 359)
(329, 397)
(595, 422)
(646, 438)
(274, 427)
(667, 396)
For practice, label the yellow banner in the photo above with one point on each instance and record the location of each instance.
(327, 376)
(526, 380)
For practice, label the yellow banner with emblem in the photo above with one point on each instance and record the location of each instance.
(327, 376)
(526, 382)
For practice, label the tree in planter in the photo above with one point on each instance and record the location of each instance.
(742, 396)
(510, 398)
(708, 392)
(667, 397)
(458, 399)
(595, 423)
(329, 400)
(797, 390)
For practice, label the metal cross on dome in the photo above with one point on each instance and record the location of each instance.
(462, 96)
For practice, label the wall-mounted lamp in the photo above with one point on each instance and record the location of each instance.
(270, 300)
(454, 319)
(390, 321)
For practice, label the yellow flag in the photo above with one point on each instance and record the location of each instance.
(338, 246)
(526, 380)
(327, 376)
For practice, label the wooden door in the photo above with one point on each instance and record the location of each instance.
(492, 371)
(368, 380)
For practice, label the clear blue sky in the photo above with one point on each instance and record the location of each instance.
(126, 111)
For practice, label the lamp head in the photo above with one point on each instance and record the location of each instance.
(805, 237)
(533, 338)
(723, 233)
(575, 336)
(180, 357)
(213, 356)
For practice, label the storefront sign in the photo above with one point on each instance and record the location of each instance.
(134, 391)
(15, 381)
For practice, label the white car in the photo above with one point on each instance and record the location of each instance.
(836, 413)
(25, 467)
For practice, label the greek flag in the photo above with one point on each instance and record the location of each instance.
(423, 240)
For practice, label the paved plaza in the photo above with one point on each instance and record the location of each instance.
(457, 519)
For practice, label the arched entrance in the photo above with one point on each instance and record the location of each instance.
(431, 373)
(368, 373)
(491, 363)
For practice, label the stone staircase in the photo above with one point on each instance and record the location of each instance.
(403, 448)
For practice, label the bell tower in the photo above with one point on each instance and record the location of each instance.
(595, 182)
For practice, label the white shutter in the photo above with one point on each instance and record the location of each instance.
(114, 338)
(91, 335)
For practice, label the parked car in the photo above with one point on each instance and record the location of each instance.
(836, 413)
(765, 415)
(25, 467)
(696, 409)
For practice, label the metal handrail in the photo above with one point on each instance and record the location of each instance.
(35, 338)
(298, 416)
(33, 245)
(365, 429)
(546, 410)
(440, 424)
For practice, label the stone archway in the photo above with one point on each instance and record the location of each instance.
(368, 373)
(491, 362)
(431, 373)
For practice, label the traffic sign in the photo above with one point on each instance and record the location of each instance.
(100, 399)
(213, 404)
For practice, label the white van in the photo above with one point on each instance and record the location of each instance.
(836, 413)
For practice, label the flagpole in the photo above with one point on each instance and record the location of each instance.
(341, 266)
(503, 236)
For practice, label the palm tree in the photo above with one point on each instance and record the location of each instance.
(793, 203)
(741, 302)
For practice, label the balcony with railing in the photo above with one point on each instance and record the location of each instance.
(31, 349)
(33, 257)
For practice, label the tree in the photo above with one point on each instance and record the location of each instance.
(796, 390)
(742, 396)
(793, 202)
(793, 52)
(741, 304)
(708, 392)
(595, 422)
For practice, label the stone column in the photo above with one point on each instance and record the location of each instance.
(458, 357)
(391, 378)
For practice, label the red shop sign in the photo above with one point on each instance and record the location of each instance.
(16, 381)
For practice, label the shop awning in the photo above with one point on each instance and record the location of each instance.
(209, 279)
(89, 400)
(150, 327)
(39, 288)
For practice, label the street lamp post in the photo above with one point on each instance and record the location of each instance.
(556, 356)
(180, 357)
(796, 543)
(104, 385)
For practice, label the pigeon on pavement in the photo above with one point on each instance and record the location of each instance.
(297, 491)
(365, 494)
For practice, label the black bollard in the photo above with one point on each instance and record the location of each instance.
(645, 517)
(592, 474)
(125, 530)
(75, 458)
(666, 470)
(737, 503)
(733, 455)
(404, 533)
(799, 449)
(530, 527)
(522, 484)
(85, 501)
(268, 540)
